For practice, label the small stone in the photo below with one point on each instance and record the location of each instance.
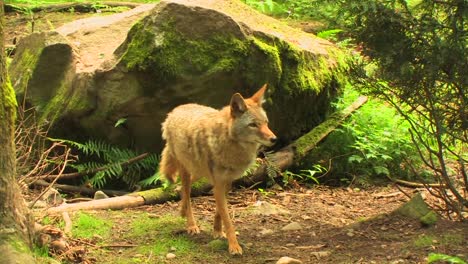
(266, 231)
(288, 260)
(173, 249)
(290, 245)
(53, 197)
(266, 208)
(292, 227)
(170, 256)
(306, 217)
(100, 195)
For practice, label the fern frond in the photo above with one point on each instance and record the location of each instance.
(152, 180)
(110, 158)
(98, 180)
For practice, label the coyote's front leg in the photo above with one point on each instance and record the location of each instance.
(222, 210)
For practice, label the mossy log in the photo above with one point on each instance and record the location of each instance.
(153, 196)
(281, 160)
(66, 7)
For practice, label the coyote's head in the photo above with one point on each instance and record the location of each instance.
(249, 120)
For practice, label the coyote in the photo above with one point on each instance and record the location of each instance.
(217, 144)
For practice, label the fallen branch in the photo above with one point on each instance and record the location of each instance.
(379, 196)
(280, 160)
(417, 184)
(153, 196)
(78, 189)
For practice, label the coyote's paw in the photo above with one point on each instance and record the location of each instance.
(219, 234)
(235, 249)
(193, 230)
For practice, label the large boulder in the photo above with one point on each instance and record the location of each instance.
(132, 68)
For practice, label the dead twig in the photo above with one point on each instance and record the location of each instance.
(68, 223)
(52, 183)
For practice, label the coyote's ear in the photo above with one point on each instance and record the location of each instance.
(258, 96)
(238, 105)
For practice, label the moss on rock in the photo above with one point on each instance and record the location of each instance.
(180, 53)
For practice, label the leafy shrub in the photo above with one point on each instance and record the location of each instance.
(372, 144)
(269, 7)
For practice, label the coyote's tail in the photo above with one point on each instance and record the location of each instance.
(168, 165)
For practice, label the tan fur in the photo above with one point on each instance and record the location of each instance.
(216, 144)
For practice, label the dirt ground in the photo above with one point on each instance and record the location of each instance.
(336, 225)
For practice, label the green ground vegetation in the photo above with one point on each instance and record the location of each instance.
(156, 236)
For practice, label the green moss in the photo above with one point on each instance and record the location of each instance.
(161, 231)
(219, 245)
(427, 240)
(87, 226)
(429, 219)
(24, 67)
(138, 54)
(309, 140)
(272, 53)
(200, 184)
(170, 55)
(9, 101)
(414, 208)
(306, 71)
(159, 194)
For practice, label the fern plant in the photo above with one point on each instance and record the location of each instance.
(108, 161)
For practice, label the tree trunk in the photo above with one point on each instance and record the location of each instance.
(15, 224)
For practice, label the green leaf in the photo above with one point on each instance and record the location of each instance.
(355, 158)
(381, 170)
(433, 257)
(327, 34)
(152, 180)
(121, 121)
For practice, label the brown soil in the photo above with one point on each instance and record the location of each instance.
(339, 225)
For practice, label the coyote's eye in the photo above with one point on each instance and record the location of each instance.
(253, 125)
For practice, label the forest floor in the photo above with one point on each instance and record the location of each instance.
(330, 225)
